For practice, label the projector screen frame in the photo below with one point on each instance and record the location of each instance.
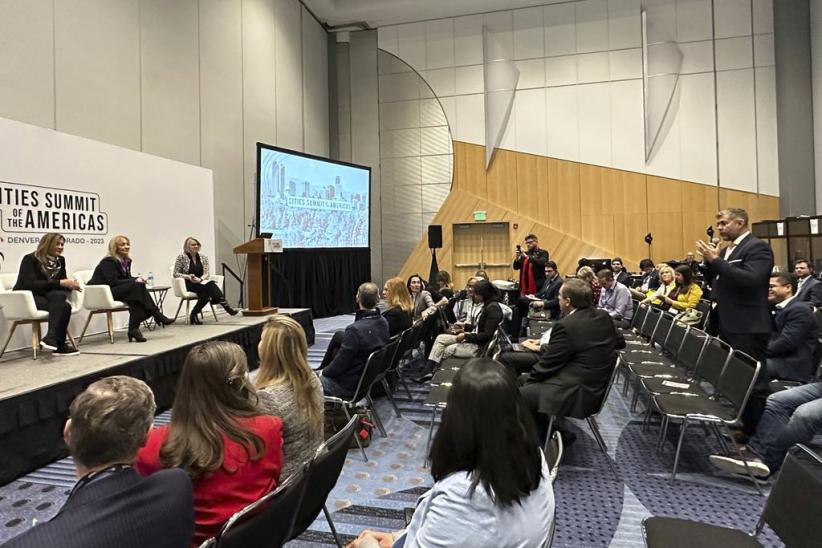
(261, 146)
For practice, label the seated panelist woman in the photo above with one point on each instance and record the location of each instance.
(44, 274)
(193, 266)
(115, 271)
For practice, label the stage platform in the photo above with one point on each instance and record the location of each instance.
(35, 394)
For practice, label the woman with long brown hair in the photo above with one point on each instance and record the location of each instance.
(44, 274)
(232, 453)
(399, 306)
(289, 389)
(686, 293)
(115, 271)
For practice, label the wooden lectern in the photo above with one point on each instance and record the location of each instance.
(259, 274)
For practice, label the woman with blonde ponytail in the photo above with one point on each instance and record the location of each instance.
(289, 389)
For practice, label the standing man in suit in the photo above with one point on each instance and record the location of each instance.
(739, 276)
(572, 372)
(809, 289)
(531, 266)
(792, 347)
(111, 504)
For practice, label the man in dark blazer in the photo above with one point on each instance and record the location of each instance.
(738, 275)
(620, 274)
(573, 370)
(809, 289)
(341, 371)
(792, 347)
(547, 298)
(531, 265)
(112, 505)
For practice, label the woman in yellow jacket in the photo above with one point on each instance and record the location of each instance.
(686, 293)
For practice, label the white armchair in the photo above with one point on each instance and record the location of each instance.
(18, 309)
(185, 296)
(97, 299)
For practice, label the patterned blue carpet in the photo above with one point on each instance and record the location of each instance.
(593, 509)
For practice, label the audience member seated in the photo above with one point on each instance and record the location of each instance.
(289, 389)
(791, 416)
(621, 275)
(650, 279)
(690, 260)
(481, 274)
(399, 307)
(193, 266)
(442, 286)
(115, 272)
(491, 482)
(424, 304)
(571, 372)
(791, 349)
(685, 294)
(44, 274)
(586, 273)
(466, 309)
(531, 266)
(111, 505)
(546, 299)
(231, 451)
(340, 371)
(467, 339)
(809, 289)
(666, 285)
(615, 299)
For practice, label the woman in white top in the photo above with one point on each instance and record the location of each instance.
(491, 483)
(666, 284)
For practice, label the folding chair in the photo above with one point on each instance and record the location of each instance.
(323, 473)
(267, 522)
(791, 511)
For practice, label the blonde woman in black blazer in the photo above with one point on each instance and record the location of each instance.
(193, 267)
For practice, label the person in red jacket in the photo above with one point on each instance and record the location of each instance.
(230, 450)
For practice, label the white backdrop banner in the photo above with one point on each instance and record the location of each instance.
(91, 191)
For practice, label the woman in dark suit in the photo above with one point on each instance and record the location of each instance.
(193, 266)
(115, 272)
(44, 274)
(399, 306)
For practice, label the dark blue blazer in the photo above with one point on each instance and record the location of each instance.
(368, 333)
(792, 347)
(739, 287)
(550, 295)
(123, 510)
(811, 292)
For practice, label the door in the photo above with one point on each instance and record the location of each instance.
(481, 246)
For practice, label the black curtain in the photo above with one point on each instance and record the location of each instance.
(324, 280)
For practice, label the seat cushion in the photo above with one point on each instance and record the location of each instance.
(437, 396)
(656, 385)
(681, 533)
(657, 369)
(643, 354)
(681, 405)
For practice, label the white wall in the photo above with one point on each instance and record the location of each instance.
(580, 88)
(199, 81)
(133, 195)
(816, 67)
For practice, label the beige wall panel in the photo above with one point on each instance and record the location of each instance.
(315, 86)
(27, 61)
(221, 104)
(529, 184)
(259, 47)
(289, 72)
(584, 210)
(97, 67)
(170, 79)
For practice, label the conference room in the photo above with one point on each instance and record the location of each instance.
(410, 273)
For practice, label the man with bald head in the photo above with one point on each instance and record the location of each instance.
(740, 273)
(368, 333)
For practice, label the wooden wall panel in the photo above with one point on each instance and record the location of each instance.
(581, 210)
